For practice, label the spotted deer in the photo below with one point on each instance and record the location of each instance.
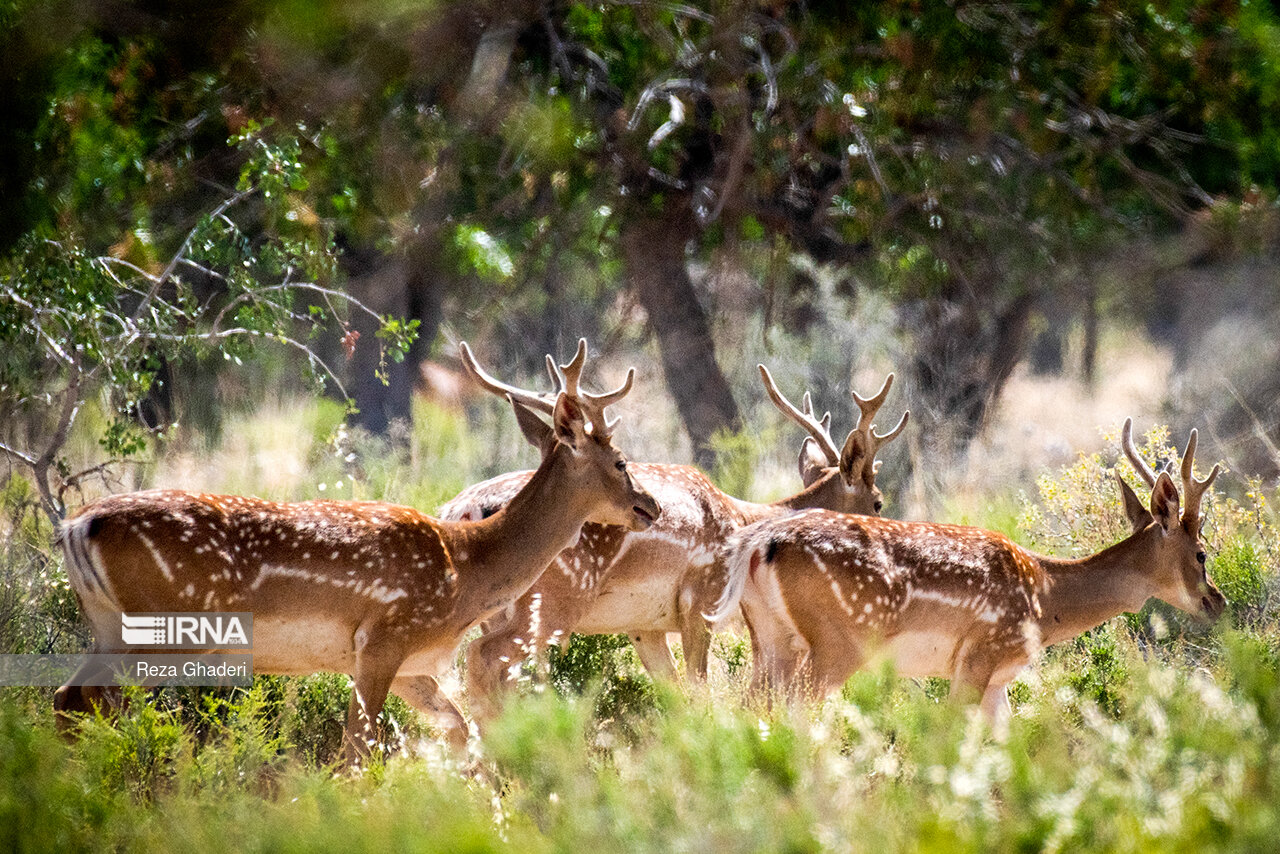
(826, 593)
(666, 578)
(378, 591)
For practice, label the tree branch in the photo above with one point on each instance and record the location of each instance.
(178, 256)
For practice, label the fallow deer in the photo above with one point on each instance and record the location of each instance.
(667, 578)
(378, 591)
(825, 593)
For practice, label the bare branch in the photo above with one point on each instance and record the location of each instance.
(17, 455)
(102, 469)
(158, 282)
(675, 84)
(676, 8)
(239, 332)
(52, 504)
(106, 260)
(36, 312)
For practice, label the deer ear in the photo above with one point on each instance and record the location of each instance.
(534, 428)
(1164, 502)
(813, 462)
(570, 421)
(852, 456)
(1139, 516)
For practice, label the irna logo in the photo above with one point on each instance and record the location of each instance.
(188, 631)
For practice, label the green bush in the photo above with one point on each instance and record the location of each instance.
(1186, 761)
(607, 669)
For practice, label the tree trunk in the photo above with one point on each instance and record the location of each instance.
(654, 251)
(381, 284)
(403, 287)
(1089, 361)
(964, 355)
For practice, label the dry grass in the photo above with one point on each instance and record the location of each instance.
(1043, 423)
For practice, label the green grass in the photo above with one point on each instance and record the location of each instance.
(1187, 761)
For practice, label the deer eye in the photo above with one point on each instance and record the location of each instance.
(620, 465)
(879, 505)
(1200, 556)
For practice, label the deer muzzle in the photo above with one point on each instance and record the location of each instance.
(1212, 603)
(644, 512)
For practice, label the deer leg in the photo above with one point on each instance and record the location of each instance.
(375, 669)
(997, 708)
(425, 694)
(695, 637)
(781, 673)
(72, 701)
(491, 660)
(766, 669)
(972, 680)
(779, 655)
(655, 655)
(76, 698)
(495, 659)
(534, 622)
(699, 592)
(828, 669)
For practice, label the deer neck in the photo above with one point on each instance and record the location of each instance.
(824, 494)
(1082, 594)
(500, 557)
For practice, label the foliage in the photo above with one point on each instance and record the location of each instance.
(1080, 510)
(504, 158)
(1187, 763)
(38, 611)
(73, 325)
(606, 669)
(736, 454)
(971, 194)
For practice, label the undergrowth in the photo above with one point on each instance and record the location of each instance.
(1187, 762)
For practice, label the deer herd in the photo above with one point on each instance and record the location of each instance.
(591, 543)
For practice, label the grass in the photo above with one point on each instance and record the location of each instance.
(1186, 762)
(1146, 734)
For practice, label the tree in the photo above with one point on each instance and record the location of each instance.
(74, 325)
(961, 156)
(511, 168)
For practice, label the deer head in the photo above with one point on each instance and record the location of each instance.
(1179, 574)
(577, 444)
(850, 470)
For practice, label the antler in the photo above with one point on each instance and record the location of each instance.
(1193, 490)
(871, 407)
(566, 378)
(1139, 464)
(865, 430)
(818, 429)
(592, 404)
(545, 403)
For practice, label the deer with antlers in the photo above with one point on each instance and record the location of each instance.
(826, 593)
(378, 591)
(667, 578)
